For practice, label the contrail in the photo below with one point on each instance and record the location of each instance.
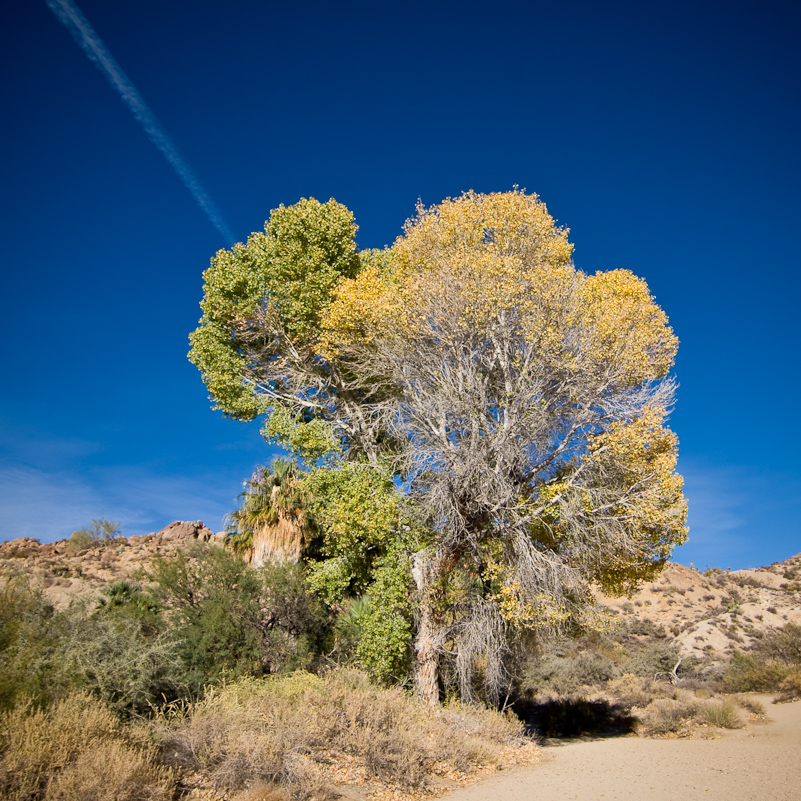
(85, 35)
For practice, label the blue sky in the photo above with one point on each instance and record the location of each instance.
(664, 135)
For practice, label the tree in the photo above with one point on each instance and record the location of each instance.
(519, 403)
(227, 618)
(271, 523)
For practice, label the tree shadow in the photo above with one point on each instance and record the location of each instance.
(566, 718)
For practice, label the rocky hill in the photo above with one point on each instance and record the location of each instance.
(708, 615)
(713, 613)
(66, 574)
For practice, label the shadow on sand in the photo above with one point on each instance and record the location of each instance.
(573, 717)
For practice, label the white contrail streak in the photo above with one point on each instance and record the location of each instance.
(85, 35)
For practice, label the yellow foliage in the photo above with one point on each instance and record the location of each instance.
(481, 252)
(624, 325)
(499, 260)
(642, 455)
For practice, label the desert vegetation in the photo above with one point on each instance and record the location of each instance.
(207, 675)
(477, 450)
(196, 672)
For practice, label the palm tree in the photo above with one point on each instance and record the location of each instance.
(271, 524)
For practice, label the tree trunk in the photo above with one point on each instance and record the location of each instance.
(429, 632)
(281, 543)
(427, 652)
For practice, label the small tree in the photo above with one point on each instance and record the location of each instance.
(101, 532)
(271, 523)
(519, 403)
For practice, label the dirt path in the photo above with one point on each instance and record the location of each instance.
(762, 762)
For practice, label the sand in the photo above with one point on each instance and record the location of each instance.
(762, 762)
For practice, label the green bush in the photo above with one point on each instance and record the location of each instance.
(31, 636)
(228, 619)
(100, 532)
(130, 666)
(121, 651)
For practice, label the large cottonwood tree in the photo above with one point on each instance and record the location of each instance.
(520, 403)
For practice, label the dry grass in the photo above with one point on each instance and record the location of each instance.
(667, 716)
(682, 714)
(790, 688)
(301, 733)
(723, 713)
(77, 751)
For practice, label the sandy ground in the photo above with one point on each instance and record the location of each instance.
(762, 762)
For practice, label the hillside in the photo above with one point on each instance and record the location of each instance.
(65, 574)
(711, 614)
(705, 615)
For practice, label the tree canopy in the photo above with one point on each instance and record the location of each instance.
(519, 403)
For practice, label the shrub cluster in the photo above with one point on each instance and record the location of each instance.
(199, 671)
(772, 665)
(289, 730)
(636, 670)
(77, 750)
(206, 614)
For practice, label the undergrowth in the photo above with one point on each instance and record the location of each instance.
(77, 750)
(288, 731)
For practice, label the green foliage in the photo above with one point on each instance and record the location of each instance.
(365, 564)
(308, 439)
(121, 652)
(384, 649)
(124, 600)
(357, 508)
(122, 657)
(30, 633)
(214, 617)
(231, 620)
(291, 269)
(101, 532)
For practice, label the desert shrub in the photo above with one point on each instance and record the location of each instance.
(750, 704)
(32, 635)
(229, 619)
(722, 713)
(77, 751)
(774, 658)
(129, 665)
(652, 658)
(645, 628)
(282, 730)
(100, 532)
(790, 687)
(667, 715)
(630, 690)
(570, 673)
(746, 672)
(121, 651)
(782, 644)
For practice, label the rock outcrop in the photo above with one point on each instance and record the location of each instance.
(66, 576)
